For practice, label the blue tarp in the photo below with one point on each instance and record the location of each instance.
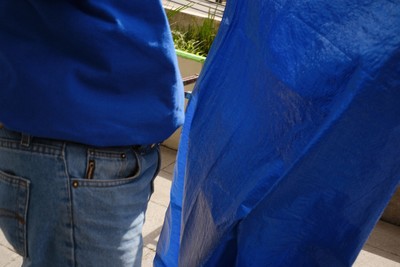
(291, 146)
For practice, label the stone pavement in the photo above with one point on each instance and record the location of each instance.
(381, 250)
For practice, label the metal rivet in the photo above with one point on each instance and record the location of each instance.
(91, 153)
(75, 184)
(123, 155)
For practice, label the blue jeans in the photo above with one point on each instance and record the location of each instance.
(67, 204)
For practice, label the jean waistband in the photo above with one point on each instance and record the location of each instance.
(26, 140)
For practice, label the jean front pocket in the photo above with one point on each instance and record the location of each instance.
(109, 213)
(14, 197)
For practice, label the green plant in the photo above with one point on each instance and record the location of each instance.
(183, 43)
(196, 38)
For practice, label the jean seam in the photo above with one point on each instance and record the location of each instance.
(159, 163)
(158, 169)
(112, 155)
(20, 214)
(69, 187)
(24, 225)
(11, 180)
(38, 150)
(139, 164)
(33, 148)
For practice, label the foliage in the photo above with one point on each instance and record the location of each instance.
(196, 38)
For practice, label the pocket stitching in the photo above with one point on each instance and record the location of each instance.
(14, 180)
(20, 215)
(110, 183)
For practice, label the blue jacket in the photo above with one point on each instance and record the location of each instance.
(99, 72)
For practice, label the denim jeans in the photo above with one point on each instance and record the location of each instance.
(67, 204)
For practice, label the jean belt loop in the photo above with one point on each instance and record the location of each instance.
(25, 140)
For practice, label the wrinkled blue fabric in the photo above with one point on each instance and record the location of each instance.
(291, 147)
(96, 72)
